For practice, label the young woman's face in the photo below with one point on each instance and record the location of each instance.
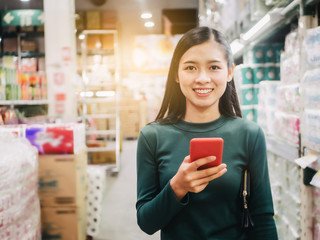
(203, 75)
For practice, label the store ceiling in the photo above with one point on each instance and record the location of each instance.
(128, 10)
(17, 4)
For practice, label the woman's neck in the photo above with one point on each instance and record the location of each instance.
(202, 116)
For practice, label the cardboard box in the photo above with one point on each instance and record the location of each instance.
(94, 41)
(63, 223)
(80, 20)
(103, 157)
(107, 41)
(93, 19)
(63, 179)
(108, 20)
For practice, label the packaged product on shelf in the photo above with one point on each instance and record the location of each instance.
(266, 119)
(243, 74)
(16, 130)
(288, 98)
(95, 192)
(28, 46)
(249, 94)
(10, 45)
(310, 87)
(29, 64)
(310, 129)
(277, 48)
(311, 47)
(267, 102)
(291, 43)
(267, 93)
(57, 138)
(290, 68)
(249, 112)
(287, 127)
(20, 208)
(258, 73)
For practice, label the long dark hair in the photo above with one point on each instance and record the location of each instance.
(173, 107)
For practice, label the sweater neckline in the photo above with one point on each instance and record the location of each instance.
(200, 127)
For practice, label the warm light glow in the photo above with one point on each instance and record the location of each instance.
(81, 36)
(86, 94)
(256, 28)
(105, 93)
(146, 15)
(149, 24)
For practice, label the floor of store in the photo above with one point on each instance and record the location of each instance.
(119, 213)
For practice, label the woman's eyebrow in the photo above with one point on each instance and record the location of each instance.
(210, 61)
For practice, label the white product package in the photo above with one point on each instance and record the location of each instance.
(95, 193)
(19, 202)
(311, 47)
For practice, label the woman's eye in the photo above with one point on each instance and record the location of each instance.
(190, 68)
(214, 67)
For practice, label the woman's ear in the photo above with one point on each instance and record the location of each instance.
(177, 80)
(230, 73)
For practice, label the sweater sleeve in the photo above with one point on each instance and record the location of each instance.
(260, 202)
(155, 207)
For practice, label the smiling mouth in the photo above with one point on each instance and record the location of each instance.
(203, 91)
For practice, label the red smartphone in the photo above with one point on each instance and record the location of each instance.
(204, 147)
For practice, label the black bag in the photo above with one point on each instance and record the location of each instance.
(247, 221)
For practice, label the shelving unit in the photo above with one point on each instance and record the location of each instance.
(22, 69)
(294, 200)
(99, 95)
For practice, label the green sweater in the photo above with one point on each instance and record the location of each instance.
(215, 213)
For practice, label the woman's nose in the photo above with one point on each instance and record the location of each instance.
(203, 77)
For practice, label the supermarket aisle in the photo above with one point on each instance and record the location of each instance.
(119, 213)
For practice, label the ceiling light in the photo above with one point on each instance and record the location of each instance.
(146, 15)
(149, 24)
(24, 0)
(105, 93)
(256, 28)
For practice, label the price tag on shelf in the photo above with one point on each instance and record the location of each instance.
(316, 180)
(306, 160)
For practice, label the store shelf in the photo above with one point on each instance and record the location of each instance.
(100, 149)
(99, 52)
(24, 102)
(282, 149)
(100, 116)
(101, 132)
(96, 100)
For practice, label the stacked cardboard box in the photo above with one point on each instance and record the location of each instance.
(62, 193)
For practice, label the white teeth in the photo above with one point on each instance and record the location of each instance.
(203, 90)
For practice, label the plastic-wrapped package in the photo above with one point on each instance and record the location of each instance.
(287, 127)
(310, 129)
(288, 98)
(310, 86)
(96, 188)
(57, 138)
(311, 47)
(290, 68)
(19, 202)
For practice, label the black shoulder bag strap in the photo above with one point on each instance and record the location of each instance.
(247, 221)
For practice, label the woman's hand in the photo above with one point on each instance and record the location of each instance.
(190, 179)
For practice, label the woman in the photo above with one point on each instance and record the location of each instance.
(200, 101)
